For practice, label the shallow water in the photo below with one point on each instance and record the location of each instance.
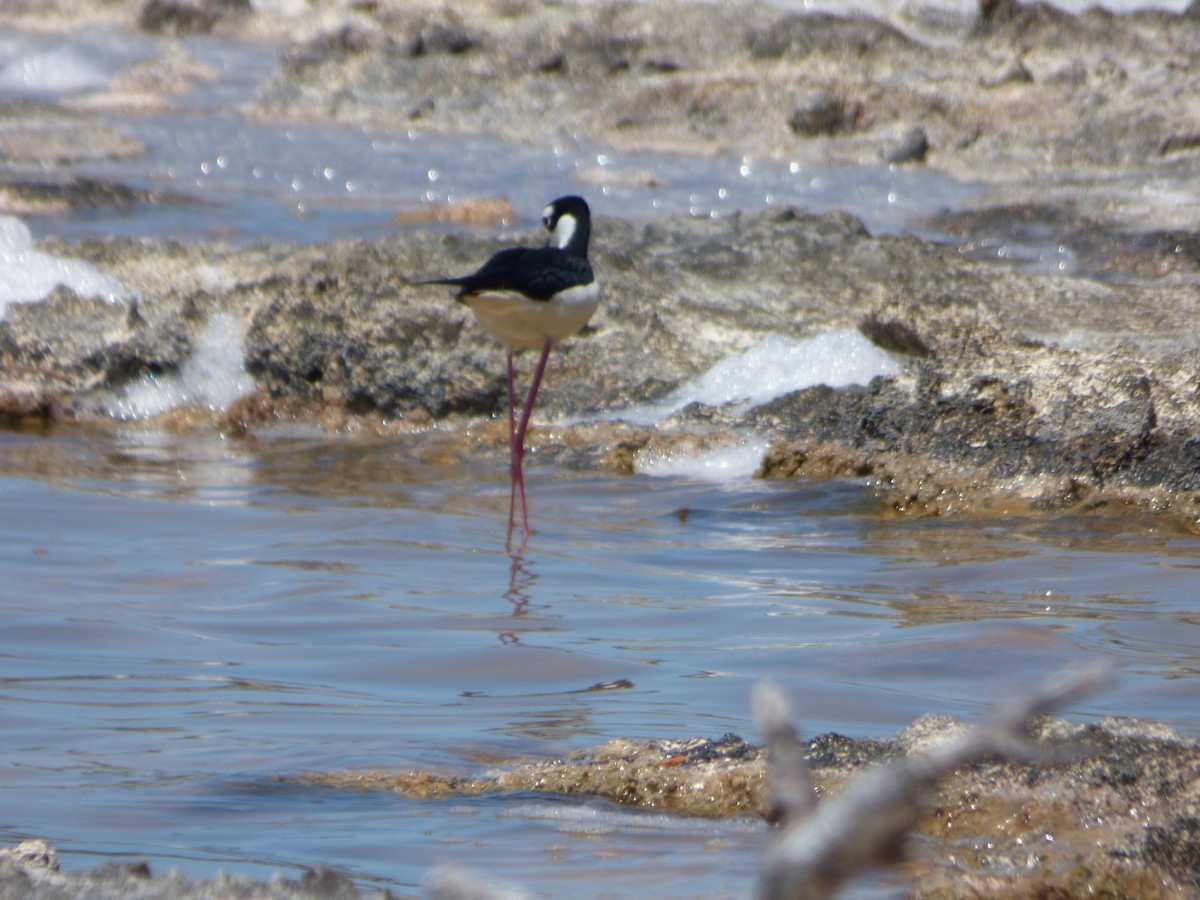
(312, 182)
(308, 182)
(188, 617)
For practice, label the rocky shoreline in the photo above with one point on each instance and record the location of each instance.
(1018, 391)
(1108, 809)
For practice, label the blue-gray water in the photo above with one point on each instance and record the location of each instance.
(187, 618)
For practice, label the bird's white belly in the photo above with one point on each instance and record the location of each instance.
(520, 323)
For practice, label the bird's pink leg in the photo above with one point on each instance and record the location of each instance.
(518, 443)
(513, 463)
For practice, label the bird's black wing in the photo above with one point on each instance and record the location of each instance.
(537, 272)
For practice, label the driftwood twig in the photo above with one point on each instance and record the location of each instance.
(818, 847)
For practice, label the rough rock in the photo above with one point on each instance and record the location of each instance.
(1016, 389)
(1113, 809)
(33, 132)
(30, 871)
(1110, 810)
(27, 195)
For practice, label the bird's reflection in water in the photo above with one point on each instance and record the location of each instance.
(521, 579)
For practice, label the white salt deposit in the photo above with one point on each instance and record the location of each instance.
(51, 71)
(27, 274)
(773, 367)
(213, 377)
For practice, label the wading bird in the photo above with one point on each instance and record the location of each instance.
(530, 298)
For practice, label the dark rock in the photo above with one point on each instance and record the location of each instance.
(440, 37)
(835, 751)
(342, 326)
(555, 62)
(23, 876)
(1014, 17)
(798, 36)
(1179, 143)
(912, 147)
(729, 746)
(88, 342)
(75, 193)
(184, 17)
(893, 335)
(1174, 847)
(331, 47)
(822, 112)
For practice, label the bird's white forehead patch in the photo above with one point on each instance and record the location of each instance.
(564, 229)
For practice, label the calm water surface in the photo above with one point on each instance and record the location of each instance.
(187, 618)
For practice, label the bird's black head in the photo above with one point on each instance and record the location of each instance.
(569, 222)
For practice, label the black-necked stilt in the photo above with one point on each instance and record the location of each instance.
(532, 298)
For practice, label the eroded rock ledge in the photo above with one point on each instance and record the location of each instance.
(1017, 390)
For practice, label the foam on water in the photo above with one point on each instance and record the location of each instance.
(600, 817)
(721, 464)
(27, 274)
(775, 366)
(213, 377)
